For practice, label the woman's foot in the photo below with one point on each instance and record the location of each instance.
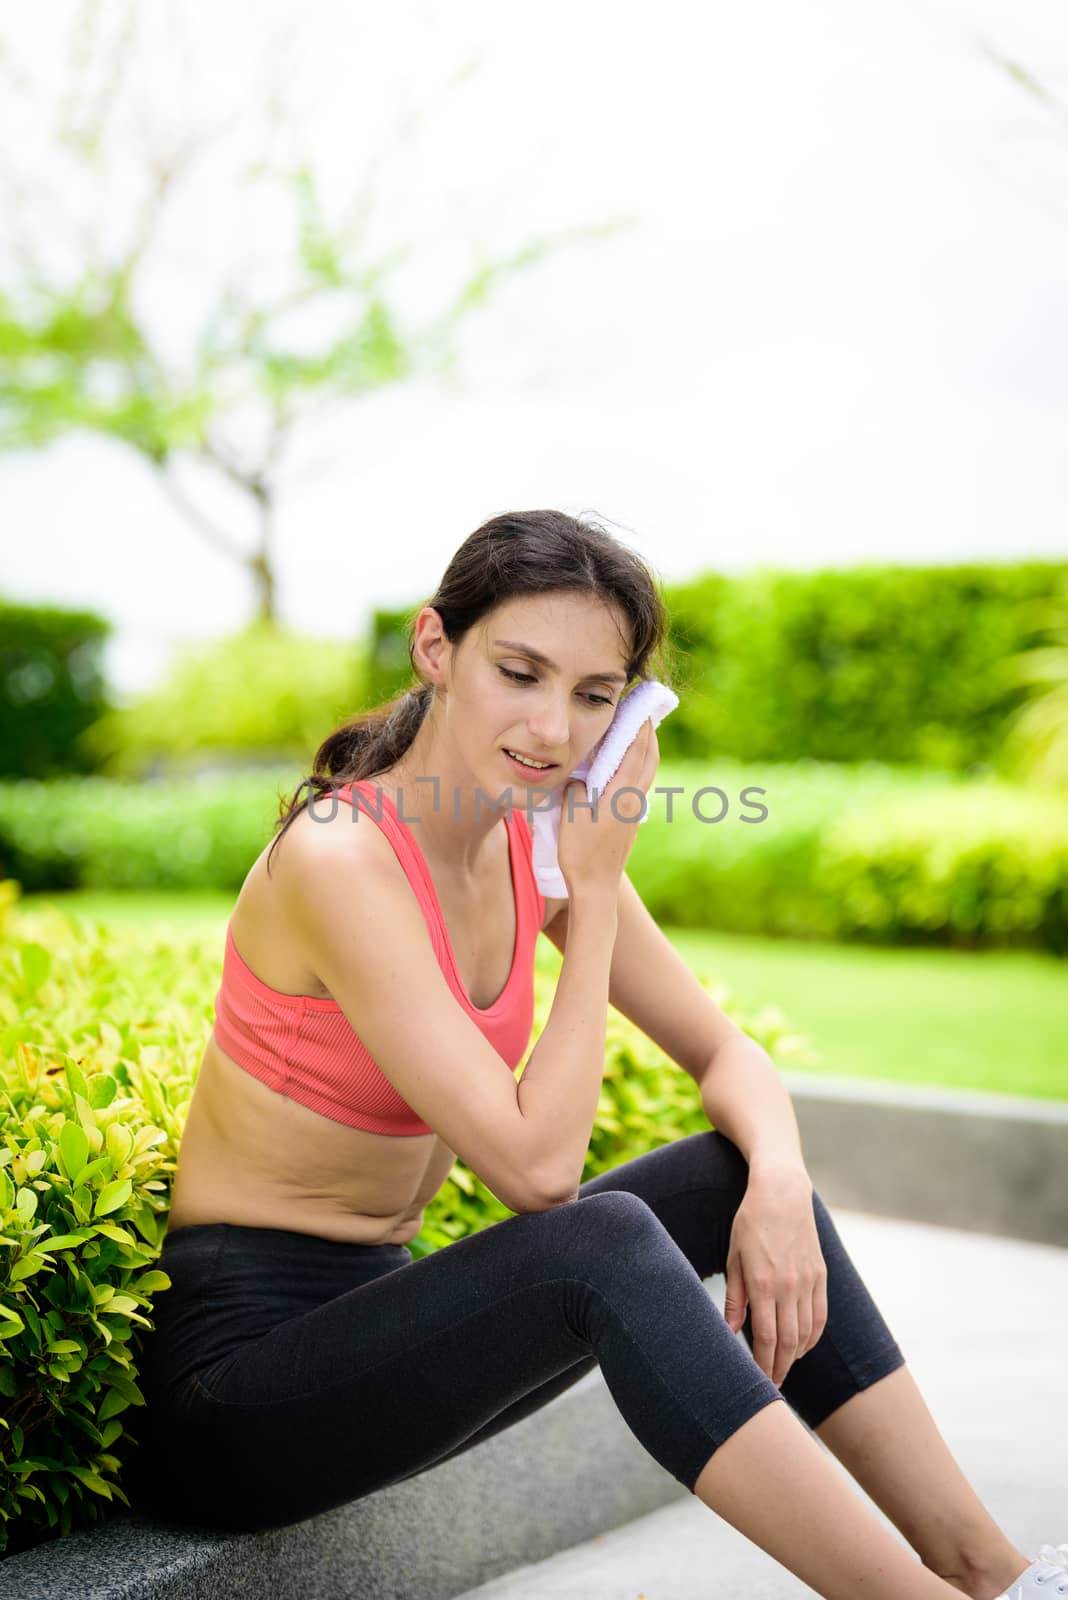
(1046, 1577)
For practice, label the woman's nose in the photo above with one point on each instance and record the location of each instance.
(549, 727)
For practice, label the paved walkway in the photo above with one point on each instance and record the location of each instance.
(983, 1323)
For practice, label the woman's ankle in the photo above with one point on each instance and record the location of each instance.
(988, 1579)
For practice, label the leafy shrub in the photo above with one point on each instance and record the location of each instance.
(985, 863)
(833, 838)
(267, 692)
(98, 832)
(101, 1035)
(89, 1134)
(875, 662)
(875, 853)
(51, 687)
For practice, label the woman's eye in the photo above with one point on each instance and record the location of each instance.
(524, 677)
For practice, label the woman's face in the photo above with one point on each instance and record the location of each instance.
(554, 709)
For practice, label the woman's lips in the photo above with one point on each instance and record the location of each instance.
(532, 774)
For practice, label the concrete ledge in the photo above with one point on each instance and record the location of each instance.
(985, 1163)
(553, 1480)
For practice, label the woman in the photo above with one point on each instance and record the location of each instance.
(377, 997)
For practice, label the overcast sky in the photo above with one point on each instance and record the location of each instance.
(833, 329)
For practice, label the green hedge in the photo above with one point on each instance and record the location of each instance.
(101, 1036)
(896, 664)
(51, 688)
(868, 852)
(267, 694)
(886, 663)
(102, 832)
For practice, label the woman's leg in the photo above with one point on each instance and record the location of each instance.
(773, 1483)
(263, 1417)
(694, 1186)
(853, 1388)
(263, 1413)
(889, 1441)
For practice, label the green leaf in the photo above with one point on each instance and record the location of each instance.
(36, 964)
(78, 1085)
(93, 1169)
(113, 1402)
(123, 1303)
(73, 1148)
(126, 1386)
(150, 1282)
(119, 1142)
(91, 1480)
(103, 1091)
(111, 1230)
(26, 1268)
(85, 1115)
(113, 1196)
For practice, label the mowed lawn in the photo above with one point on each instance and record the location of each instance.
(990, 1020)
(995, 1020)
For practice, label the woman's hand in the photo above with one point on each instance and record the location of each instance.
(593, 849)
(776, 1266)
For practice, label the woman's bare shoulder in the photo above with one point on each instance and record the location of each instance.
(321, 837)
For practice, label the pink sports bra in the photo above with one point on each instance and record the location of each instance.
(303, 1046)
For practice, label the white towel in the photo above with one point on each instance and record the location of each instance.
(648, 699)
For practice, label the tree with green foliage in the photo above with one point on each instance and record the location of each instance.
(282, 341)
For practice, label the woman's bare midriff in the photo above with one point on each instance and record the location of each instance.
(252, 1156)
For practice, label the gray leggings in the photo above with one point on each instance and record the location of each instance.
(287, 1374)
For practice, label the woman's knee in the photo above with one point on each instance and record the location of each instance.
(609, 1218)
(618, 1210)
(601, 1236)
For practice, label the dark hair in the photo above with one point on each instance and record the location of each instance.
(517, 553)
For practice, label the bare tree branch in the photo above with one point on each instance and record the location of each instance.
(219, 541)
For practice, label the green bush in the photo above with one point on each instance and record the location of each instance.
(268, 693)
(51, 688)
(983, 864)
(886, 854)
(885, 663)
(89, 1133)
(874, 662)
(389, 671)
(101, 1036)
(98, 832)
(889, 855)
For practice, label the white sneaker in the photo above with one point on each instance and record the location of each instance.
(1051, 1567)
